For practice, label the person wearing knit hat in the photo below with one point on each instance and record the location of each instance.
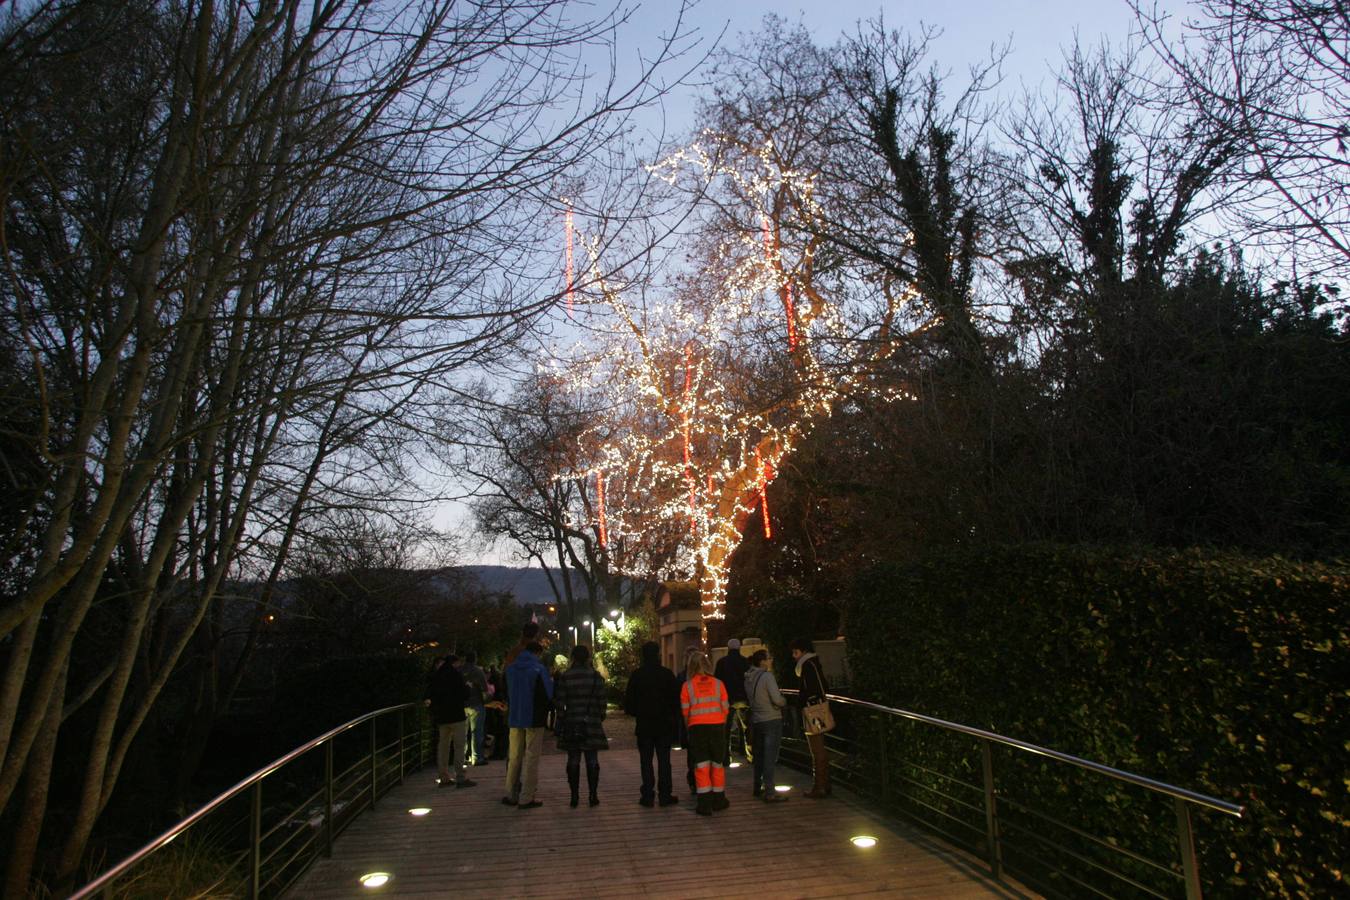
(731, 671)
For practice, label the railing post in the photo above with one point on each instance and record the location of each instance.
(1189, 869)
(374, 762)
(421, 754)
(255, 840)
(328, 798)
(991, 811)
(400, 745)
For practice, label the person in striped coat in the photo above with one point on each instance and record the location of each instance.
(579, 698)
(703, 701)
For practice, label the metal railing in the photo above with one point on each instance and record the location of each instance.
(942, 776)
(259, 849)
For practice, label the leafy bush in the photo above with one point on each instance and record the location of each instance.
(620, 651)
(1223, 674)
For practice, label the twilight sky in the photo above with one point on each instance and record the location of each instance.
(1037, 30)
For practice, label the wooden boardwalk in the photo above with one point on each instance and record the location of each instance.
(471, 845)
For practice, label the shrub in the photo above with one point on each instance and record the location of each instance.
(1219, 673)
(620, 651)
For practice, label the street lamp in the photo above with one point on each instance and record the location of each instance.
(588, 622)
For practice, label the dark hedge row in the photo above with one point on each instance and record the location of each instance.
(1226, 675)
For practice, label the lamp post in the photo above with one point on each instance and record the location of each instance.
(588, 622)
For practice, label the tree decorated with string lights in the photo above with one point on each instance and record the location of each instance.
(700, 391)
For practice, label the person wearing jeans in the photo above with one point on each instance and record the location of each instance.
(766, 715)
(653, 700)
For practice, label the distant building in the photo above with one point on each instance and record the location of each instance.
(681, 615)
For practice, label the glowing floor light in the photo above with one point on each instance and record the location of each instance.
(375, 879)
(419, 810)
(782, 788)
(734, 765)
(864, 841)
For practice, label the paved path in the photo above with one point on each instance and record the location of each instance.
(470, 845)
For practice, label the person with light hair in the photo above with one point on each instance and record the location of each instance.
(703, 701)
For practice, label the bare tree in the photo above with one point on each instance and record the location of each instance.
(239, 242)
(528, 491)
(1273, 77)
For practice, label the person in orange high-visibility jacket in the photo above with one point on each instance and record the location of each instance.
(703, 700)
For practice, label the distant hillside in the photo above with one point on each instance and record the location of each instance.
(528, 585)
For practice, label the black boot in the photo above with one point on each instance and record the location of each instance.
(593, 782)
(574, 782)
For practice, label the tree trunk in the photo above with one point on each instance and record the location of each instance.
(37, 781)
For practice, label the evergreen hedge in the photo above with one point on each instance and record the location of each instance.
(1223, 674)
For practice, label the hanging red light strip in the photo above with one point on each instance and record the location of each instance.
(762, 469)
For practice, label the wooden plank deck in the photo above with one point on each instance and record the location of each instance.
(471, 845)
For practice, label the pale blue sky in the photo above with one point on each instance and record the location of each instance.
(1038, 30)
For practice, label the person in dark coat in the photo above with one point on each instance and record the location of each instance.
(730, 670)
(653, 700)
(446, 695)
(579, 698)
(813, 690)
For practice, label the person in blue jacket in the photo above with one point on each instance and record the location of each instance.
(529, 697)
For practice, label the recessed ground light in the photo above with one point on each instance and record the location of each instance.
(734, 765)
(782, 788)
(864, 841)
(419, 810)
(375, 879)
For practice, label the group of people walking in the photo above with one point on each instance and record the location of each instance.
(696, 709)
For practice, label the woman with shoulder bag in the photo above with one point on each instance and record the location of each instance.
(580, 701)
(816, 718)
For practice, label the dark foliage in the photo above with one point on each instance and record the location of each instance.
(1216, 672)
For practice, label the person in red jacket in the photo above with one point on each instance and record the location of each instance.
(703, 701)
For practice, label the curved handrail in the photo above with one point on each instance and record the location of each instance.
(93, 887)
(1171, 790)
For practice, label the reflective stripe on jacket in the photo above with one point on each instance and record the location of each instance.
(703, 700)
